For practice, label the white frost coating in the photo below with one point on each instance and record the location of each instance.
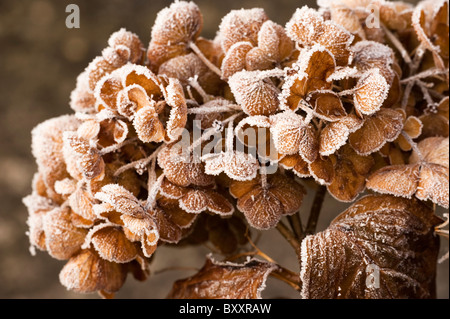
(237, 165)
(342, 73)
(304, 267)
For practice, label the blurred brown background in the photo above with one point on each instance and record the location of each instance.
(39, 61)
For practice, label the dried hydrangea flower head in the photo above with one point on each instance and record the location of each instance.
(200, 141)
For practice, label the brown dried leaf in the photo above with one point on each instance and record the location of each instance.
(383, 126)
(371, 91)
(224, 281)
(87, 272)
(335, 134)
(62, 238)
(394, 236)
(112, 245)
(398, 180)
(121, 200)
(241, 25)
(234, 60)
(350, 172)
(256, 96)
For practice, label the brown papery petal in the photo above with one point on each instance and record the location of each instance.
(297, 164)
(218, 204)
(121, 200)
(180, 22)
(194, 201)
(234, 60)
(327, 105)
(273, 40)
(322, 169)
(288, 130)
(434, 184)
(434, 150)
(398, 180)
(241, 25)
(304, 25)
(335, 134)
(372, 89)
(362, 254)
(224, 281)
(384, 126)
(262, 209)
(178, 113)
(47, 148)
(256, 96)
(337, 40)
(148, 126)
(112, 245)
(82, 203)
(87, 272)
(62, 238)
(288, 191)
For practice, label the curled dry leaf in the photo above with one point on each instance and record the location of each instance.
(224, 281)
(389, 235)
(426, 177)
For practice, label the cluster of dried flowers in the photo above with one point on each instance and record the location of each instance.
(336, 102)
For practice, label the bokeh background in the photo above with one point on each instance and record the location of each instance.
(39, 61)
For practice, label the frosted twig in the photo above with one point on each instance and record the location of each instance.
(315, 210)
(289, 236)
(413, 145)
(152, 192)
(296, 224)
(142, 162)
(424, 74)
(397, 44)
(208, 63)
(194, 83)
(424, 88)
(117, 146)
(213, 109)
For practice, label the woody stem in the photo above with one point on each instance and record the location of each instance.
(413, 145)
(315, 210)
(202, 57)
(289, 236)
(296, 224)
